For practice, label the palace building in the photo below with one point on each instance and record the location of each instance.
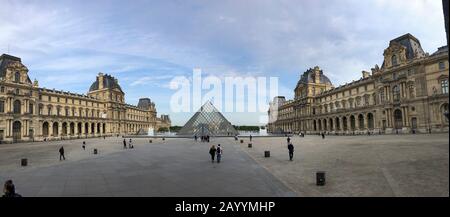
(407, 94)
(31, 113)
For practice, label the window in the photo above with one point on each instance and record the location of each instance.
(49, 98)
(16, 107)
(2, 89)
(396, 93)
(17, 77)
(30, 108)
(441, 65)
(17, 91)
(444, 86)
(2, 106)
(40, 97)
(394, 60)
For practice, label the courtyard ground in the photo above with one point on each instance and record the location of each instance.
(388, 165)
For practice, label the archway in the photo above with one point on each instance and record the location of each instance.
(92, 128)
(64, 129)
(72, 128)
(331, 124)
(344, 123)
(352, 123)
(315, 125)
(17, 131)
(320, 125)
(444, 113)
(361, 121)
(86, 128)
(338, 124)
(79, 128)
(398, 119)
(45, 129)
(370, 121)
(55, 129)
(325, 125)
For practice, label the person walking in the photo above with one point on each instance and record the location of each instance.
(9, 190)
(250, 137)
(84, 145)
(291, 151)
(61, 153)
(288, 140)
(323, 135)
(219, 152)
(212, 152)
(195, 137)
(124, 144)
(129, 144)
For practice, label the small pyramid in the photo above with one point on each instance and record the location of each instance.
(208, 121)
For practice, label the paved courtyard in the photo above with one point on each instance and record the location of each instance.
(174, 167)
(388, 165)
(391, 165)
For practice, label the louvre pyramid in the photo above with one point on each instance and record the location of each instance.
(208, 121)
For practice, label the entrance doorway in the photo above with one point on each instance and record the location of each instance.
(398, 119)
(17, 132)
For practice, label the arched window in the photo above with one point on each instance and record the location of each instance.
(17, 105)
(17, 77)
(394, 60)
(396, 93)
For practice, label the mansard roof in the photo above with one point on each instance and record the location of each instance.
(109, 82)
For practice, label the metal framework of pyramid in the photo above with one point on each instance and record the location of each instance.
(208, 121)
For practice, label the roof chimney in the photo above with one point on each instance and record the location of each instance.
(100, 80)
(365, 74)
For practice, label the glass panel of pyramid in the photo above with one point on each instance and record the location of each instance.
(208, 121)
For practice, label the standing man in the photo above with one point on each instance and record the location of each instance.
(61, 153)
(124, 144)
(219, 152)
(291, 151)
(212, 152)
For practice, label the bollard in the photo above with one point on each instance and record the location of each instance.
(24, 162)
(95, 151)
(249, 145)
(320, 178)
(242, 141)
(266, 153)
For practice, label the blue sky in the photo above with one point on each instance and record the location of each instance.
(146, 43)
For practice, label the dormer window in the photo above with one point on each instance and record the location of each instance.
(394, 60)
(17, 77)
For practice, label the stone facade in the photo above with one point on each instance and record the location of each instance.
(407, 94)
(31, 113)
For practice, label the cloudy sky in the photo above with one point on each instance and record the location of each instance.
(146, 43)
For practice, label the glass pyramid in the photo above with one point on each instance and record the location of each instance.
(208, 121)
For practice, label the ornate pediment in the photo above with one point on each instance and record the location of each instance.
(395, 54)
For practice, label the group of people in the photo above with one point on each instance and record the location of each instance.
(130, 145)
(202, 138)
(213, 151)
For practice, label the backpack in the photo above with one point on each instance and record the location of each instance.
(219, 150)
